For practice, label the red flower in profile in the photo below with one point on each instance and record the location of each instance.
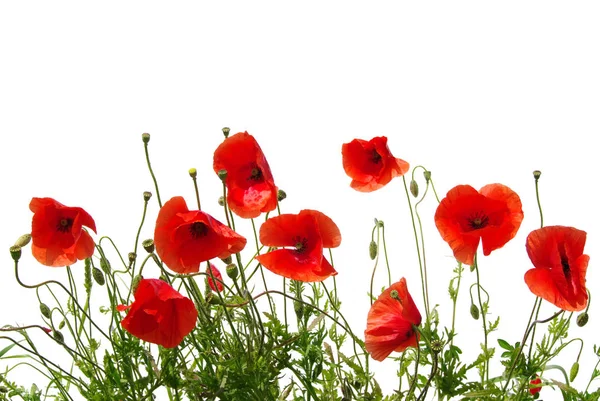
(185, 238)
(390, 322)
(159, 314)
(250, 186)
(465, 217)
(535, 386)
(370, 164)
(307, 233)
(560, 266)
(57, 234)
(216, 284)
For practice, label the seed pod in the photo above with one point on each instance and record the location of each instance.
(281, 195)
(193, 172)
(61, 324)
(227, 260)
(145, 137)
(58, 336)
(226, 131)
(232, 271)
(23, 240)
(105, 265)
(373, 250)
(148, 245)
(222, 174)
(474, 312)
(15, 252)
(537, 174)
(147, 196)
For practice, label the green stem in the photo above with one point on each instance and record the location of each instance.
(152, 174)
(485, 375)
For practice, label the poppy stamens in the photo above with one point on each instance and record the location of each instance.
(64, 225)
(478, 220)
(256, 174)
(198, 229)
(376, 157)
(301, 244)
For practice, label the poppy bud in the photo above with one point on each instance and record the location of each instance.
(281, 195)
(98, 276)
(15, 252)
(232, 271)
(221, 201)
(131, 256)
(145, 137)
(373, 250)
(45, 311)
(135, 283)
(227, 260)
(380, 223)
(537, 174)
(148, 245)
(582, 319)
(23, 240)
(474, 312)
(213, 299)
(414, 188)
(427, 175)
(222, 174)
(193, 173)
(105, 265)
(574, 371)
(58, 336)
(147, 195)
(298, 308)
(437, 346)
(61, 325)
(226, 131)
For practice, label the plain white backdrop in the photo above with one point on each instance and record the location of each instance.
(477, 92)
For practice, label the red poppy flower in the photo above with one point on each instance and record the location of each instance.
(159, 314)
(535, 386)
(370, 164)
(560, 266)
(250, 186)
(185, 238)
(307, 232)
(57, 234)
(390, 322)
(217, 283)
(465, 217)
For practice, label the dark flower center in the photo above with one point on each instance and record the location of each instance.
(256, 174)
(64, 225)
(478, 220)
(301, 244)
(375, 157)
(198, 229)
(564, 261)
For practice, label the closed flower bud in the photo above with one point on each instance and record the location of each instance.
(414, 188)
(574, 371)
(537, 174)
(222, 175)
(147, 195)
(227, 260)
(44, 310)
(145, 137)
(135, 283)
(98, 276)
(298, 308)
(193, 173)
(131, 256)
(226, 131)
(61, 325)
(474, 311)
(148, 245)
(427, 175)
(582, 319)
(221, 201)
(58, 336)
(232, 271)
(23, 240)
(373, 250)
(105, 265)
(15, 252)
(281, 195)
(213, 299)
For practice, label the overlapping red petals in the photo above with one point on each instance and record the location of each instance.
(466, 217)
(159, 314)
(390, 322)
(215, 284)
(185, 238)
(370, 164)
(560, 266)
(305, 234)
(250, 186)
(57, 234)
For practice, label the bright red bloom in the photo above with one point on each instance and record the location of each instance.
(390, 322)
(57, 234)
(185, 238)
(159, 314)
(370, 164)
(535, 386)
(217, 283)
(250, 186)
(465, 217)
(307, 232)
(560, 266)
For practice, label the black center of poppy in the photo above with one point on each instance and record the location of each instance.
(375, 157)
(64, 225)
(478, 220)
(256, 174)
(564, 261)
(301, 244)
(198, 229)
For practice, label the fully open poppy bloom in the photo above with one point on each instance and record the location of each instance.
(159, 314)
(390, 322)
(185, 238)
(57, 234)
(216, 284)
(250, 186)
(465, 217)
(307, 233)
(370, 164)
(535, 385)
(560, 266)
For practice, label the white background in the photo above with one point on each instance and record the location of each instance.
(478, 92)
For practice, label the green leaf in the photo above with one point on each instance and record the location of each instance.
(505, 345)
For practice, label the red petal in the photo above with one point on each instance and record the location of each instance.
(330, 233)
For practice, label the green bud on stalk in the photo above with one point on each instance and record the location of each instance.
(414, 188)
(373, 250)
(98, 276)
(23, 240)
(474, 312)
(582, 319)
(45, 311)
(232, 271)
(574, 371)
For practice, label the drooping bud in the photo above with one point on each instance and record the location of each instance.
(537, 174)
(23, 240)
(145, 137)
(105, 265)
(98, 276)
(474, 311)
(574, 371)
(281, 195)
(58, 336)
(61, 324)
(414, 188)
(222, 174)
(232, 271)
(45, 311)
(15, 252)
(299, 309)
(221, 201)
(373, 250)
(148, 245)
(226, 131)
(147, 196)
(427, 175)
(582, 319)
(193, 173)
